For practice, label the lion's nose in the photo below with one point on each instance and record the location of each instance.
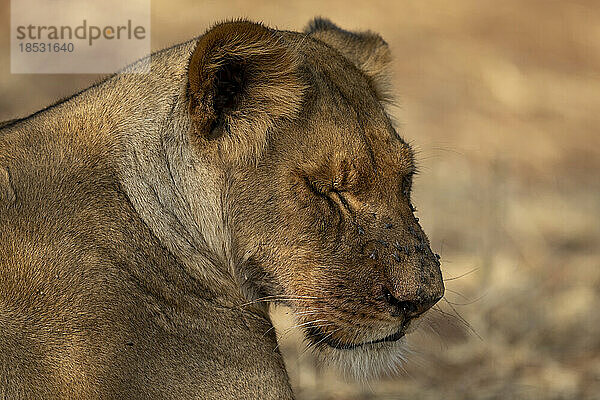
(407, 309)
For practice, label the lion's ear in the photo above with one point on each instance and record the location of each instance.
(242, 78)
(367, 50)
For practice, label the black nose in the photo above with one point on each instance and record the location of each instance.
(407, 309)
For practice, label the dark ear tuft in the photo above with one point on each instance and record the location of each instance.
(319, 24)
(242, 79)
(367, 50)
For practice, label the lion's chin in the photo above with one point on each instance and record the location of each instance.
(367, 361)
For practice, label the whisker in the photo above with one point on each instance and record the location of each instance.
(309, 323)
(309, 312)
(469, 301)
(280, 298)
(464, 320)
(317, 323)
(448, 315)
(280, 341)
(462, 275)
(311, 344)
(458, 294)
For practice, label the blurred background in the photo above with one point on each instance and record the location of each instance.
(502, 102)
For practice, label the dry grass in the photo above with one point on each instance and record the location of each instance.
(503, 101)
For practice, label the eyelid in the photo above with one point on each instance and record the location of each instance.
(343, 199)
(318, 188)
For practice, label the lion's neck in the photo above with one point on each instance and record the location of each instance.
(178, 197)
(179, 200)
(138, 125)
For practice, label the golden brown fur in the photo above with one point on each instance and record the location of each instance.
(149, 220)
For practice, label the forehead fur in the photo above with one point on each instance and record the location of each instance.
(366, 50)
(343, 118)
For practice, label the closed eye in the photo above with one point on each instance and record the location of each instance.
(318, 189)
(329, 193)
(342, 199)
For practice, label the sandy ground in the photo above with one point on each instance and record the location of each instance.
(502, 100)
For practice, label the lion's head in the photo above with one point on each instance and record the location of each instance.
(319, 183)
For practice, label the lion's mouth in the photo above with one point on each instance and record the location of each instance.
(317, 336)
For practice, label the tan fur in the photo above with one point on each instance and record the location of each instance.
(148, 222)
(367, 50)
(273, 88)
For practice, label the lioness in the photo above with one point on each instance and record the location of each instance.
(148, 222)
